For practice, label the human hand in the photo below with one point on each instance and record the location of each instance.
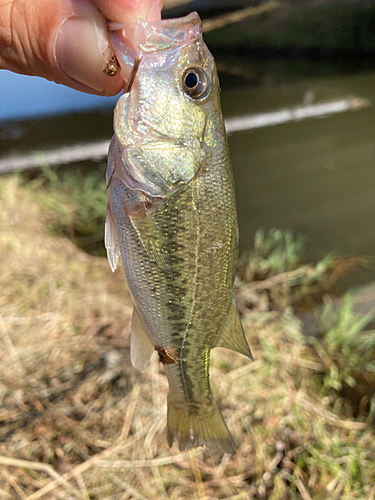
(67, 40)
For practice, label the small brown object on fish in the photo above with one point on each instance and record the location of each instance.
(164, 356)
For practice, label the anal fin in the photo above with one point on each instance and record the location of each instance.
(233, 336)
(141, 347)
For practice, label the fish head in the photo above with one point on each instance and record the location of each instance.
(167, 125)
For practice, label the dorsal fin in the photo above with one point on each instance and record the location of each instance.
(232, 336)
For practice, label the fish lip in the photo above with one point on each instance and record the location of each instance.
(130, 41)
(192, 18)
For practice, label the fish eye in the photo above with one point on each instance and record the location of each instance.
(195, 82)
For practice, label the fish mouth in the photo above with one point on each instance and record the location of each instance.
(129, 42)
(161, 35)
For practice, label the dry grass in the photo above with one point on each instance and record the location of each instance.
(78, 422)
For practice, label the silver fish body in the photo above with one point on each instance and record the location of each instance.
(172, 217)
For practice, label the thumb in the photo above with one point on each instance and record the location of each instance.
(61, 40)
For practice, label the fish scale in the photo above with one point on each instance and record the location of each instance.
(172, 216)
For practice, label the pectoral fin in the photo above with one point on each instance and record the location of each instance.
(110, 240)
(141, 347)
(232, 336)
(152, 239)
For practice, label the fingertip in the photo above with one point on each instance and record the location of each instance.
(113, 85)
(155, 10)
(130, 11)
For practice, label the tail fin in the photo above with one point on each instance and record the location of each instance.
(202, 425)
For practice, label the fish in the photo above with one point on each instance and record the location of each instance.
(172, 218)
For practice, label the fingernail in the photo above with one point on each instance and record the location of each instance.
(155, 11)
(81, 52)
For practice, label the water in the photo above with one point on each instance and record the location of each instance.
(30, 96)
(315, 177)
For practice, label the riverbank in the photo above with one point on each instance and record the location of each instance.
(78, 420)
(308, 29)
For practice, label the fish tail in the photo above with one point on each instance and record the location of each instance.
(201, 425)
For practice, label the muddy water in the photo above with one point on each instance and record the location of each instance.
(315, 177)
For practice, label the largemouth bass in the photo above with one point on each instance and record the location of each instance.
(172, 217)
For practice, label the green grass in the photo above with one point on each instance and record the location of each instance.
(75, 203)
(77, 419)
